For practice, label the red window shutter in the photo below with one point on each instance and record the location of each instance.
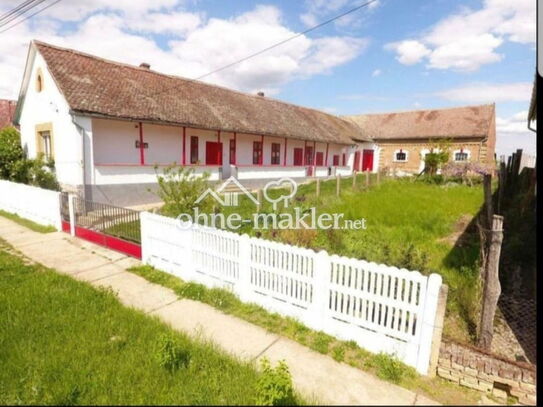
(257, 152)
(275, 153)
(335, 160)
(298, 156)
(193, 149)
(344, 160)
(320, 158)
(232, 151)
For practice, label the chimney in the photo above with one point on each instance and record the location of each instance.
(145, 65)
(261, 94)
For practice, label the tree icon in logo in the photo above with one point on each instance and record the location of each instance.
(291, 184)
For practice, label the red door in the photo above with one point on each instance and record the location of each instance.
(367, 160)
(213, 153)
(298, 156)
(356, 164)
(320, 159)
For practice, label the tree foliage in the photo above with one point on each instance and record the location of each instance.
(179, 188)
(16, 167)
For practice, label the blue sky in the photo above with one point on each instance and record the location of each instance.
(391, 55)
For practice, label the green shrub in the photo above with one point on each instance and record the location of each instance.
(390, 368)
(179, 188)
(274, 387)
(10, 151)
(170, 355)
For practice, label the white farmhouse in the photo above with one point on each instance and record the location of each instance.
(107, 125)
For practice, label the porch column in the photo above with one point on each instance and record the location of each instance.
(326, 158)
(262, 150)
(142, 153)
(314, 157)
(184, 160)
(305, 153)
(235, 148)
(285, 154)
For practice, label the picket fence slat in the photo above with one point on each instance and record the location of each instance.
(382, 308)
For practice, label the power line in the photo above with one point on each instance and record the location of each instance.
(17, 8)
(272, 46)
(30, 16)
(14, 14)
(286, 40)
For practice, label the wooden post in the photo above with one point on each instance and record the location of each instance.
(259, 199)
(367, 179)
(318, 187)
(491, 287)
(354, 179)
(489, 211)
(378, 177)
(501, 186)
(338, 183)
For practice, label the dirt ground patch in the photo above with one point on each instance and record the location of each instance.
(458, 235)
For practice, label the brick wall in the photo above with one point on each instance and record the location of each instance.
(414, 149)
(482, 371)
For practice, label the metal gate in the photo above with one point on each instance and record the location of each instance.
(107, 225)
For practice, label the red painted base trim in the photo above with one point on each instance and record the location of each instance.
(113, 243)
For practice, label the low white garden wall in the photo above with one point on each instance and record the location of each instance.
(39, 205)
(269, 172)
(383, 309)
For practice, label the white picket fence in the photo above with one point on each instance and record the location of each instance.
(383, 309)
(39, 205)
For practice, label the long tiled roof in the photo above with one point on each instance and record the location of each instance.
(457, 122)
(96, 86)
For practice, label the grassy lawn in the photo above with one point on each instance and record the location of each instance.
(130, 231)
(383, 366)
(64, 342)
(36, 227)
(408, 224)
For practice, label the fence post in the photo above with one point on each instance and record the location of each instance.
(318, 187)
(243, 287)
(354, 179)
(338, 177)
(71, 211)
(367, 178)
(428, 321)
(143, 234)
(321, 278)
(438, 329)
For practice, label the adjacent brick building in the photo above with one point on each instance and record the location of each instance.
(404, 138)
(7, 111)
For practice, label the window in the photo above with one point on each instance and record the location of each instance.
(276, 153)
(39, 81)
(320, 159)
(46, 145)
(232, 151)
(298, 156)
(309, 155)
(400, 155)
(193, 149)
(461, 155)
(335, 160)
(257, 152)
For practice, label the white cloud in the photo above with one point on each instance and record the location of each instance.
(488, 93)
(512, 133)
(470, 38)
(318, 10)
(409, 52)
(376, 72)
(195, 45)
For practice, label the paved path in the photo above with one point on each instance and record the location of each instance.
(317, 376)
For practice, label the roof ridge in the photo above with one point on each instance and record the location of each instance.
(421, 110)
(123, 64)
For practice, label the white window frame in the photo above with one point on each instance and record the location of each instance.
(463, 150)
(401, 151)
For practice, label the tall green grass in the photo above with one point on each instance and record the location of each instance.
(64, 342)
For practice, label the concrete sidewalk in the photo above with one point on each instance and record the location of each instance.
(316, 376)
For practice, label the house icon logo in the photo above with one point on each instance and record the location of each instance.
(231, 190)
